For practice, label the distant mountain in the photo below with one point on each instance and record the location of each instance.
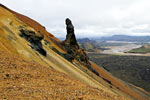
(89, 45)
(127, 38)
(82, 40)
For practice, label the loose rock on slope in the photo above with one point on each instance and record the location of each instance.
(20, 79)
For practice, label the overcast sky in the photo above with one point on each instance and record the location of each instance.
(91, 18)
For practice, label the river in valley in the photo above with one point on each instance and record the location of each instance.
(120, 50)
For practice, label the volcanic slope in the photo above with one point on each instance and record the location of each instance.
(31, 58)
(20, 79)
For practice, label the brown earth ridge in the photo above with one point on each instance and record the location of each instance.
(35, 65)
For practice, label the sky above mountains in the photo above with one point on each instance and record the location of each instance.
(91, 18)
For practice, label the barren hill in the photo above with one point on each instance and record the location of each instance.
(34, 64)
(20, 79)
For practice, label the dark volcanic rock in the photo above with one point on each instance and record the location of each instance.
(70, 37)
(72, 47)
(34, 40)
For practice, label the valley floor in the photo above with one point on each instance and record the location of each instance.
(132, 69)
(120, 50)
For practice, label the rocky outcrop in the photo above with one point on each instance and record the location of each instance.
(34, 40)
(70, 37)
(73, 49)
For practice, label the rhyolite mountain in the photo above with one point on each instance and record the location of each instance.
(141, 39)
(35, 65)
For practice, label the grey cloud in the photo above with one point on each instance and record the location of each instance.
(90, 17)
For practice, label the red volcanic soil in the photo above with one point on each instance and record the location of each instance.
(20, 79)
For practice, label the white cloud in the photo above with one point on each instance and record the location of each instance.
(90, 17)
